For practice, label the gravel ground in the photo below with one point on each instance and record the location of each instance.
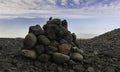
(101, 54)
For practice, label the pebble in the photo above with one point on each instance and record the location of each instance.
(91, 69)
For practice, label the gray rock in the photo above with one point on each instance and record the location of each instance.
(30, 41)
(37, 30)
(91, 69)
(76, 57)
(109, 69)
(44, 58)
(39, 49)
(60, 58)
(54, 21)
(43, 40)
(29, 53)
(65, 48)
(80, 51)
(71, 70)
(53, 67)
(78, 68)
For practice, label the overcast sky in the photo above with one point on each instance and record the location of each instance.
(86, 18)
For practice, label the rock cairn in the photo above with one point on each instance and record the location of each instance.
(54, 42)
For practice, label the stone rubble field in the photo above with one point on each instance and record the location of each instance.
(53, 48)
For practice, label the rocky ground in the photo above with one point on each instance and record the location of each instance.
(101, 54)
(53, 48)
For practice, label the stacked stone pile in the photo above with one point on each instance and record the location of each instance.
(52, 42)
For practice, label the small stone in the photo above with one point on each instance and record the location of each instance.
(76, 57)
(59, 69)
(37, 30)
(30, 41)
(60, 58)
(95, 52)
(71, 62)
(39, 49)
(71, 70)
(65, 48)
(29, 53)
(109, 69)
(80, 51)
(53, 67)
(74, 49)
(43, 39)
(44, 58)
(91, 69)
(78, 68)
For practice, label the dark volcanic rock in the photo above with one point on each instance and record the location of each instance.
(65, 48)
(30, 41)
(76, 56)
(43, 39)
(60, 58)
(65, 24)
(29, 53)
(44, 57)
(39, 49)
(37, 30)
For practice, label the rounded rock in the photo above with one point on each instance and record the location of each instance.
(60, 58)
(43, 39)
(39, 49)
(91, 69)
(30, 41)
(37, 30)
(65, 48)
(76, 57)
(44, 57)
(29, 53)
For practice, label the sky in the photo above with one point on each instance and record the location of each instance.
(86, 18)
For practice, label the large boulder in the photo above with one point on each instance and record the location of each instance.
(60, 58)
(30, 41)
(43, 40)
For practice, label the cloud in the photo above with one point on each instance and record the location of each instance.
(47, 8)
